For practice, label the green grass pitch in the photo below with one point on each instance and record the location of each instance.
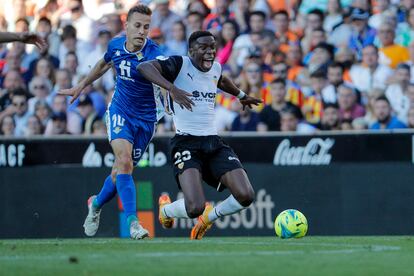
(311, 255)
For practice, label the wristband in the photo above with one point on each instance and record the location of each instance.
(241, 95)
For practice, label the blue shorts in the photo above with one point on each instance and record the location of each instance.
(138, 132)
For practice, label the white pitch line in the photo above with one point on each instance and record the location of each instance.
(211, 253)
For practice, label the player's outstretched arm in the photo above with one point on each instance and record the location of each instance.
(29, 38)
(228, 86)
(152, 71)
(97, 71)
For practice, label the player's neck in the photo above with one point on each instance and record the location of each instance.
(131, 48)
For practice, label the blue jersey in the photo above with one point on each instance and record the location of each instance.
(133, 93)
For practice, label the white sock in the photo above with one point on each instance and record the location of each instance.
(175, 209)
(227, 207)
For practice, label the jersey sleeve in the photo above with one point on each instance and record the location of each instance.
(108, 55)
(170, 66)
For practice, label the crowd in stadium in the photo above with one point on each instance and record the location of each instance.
(317, 65)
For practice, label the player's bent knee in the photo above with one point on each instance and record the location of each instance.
(124, 164)
(246, 198)
(195, 210)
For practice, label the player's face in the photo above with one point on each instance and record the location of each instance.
(137, 28)
(203, 52)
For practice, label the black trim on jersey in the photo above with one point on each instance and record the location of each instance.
(171, 67)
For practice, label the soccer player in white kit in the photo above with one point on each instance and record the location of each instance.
(198, 153)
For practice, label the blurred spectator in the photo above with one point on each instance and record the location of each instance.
(333, 16)
(63, 80)
(342, 32)
(312, 107)
(7, 126)
(214, 21)
(248, 42)
(382, 112)
(87, 113)
(294, 93)
(18, 109)
(241, 9)
(83, 24)
(194, 22)
(177, 45)
(57, 125)
(163, 18)
(11, 81)
(44, 68)
(370, 74)
(71, 64)
(251, 81)
(270, 115)
(391, 54)
(335, 79)
(200, 7)
(113, 23)
(322, 55)
(363, 34)
(14, 63)
(70, 43)
(43, 112)
(369, 108)
(246, 120)
(290, 122)
(405, 33)
(33, 127)
(44, 29)
(107, 80)
(330, 117)
(410, 118)
(59, 104)
(294, 60)
(40, 88)
(226, 39)
(396, 93)
(376, 19)
(349, 108)
(314, 21)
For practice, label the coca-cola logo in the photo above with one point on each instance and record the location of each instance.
(315, 152)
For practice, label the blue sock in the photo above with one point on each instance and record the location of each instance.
(106, 194)
(126, 190)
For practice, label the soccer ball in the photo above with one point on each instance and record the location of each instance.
(291, 224)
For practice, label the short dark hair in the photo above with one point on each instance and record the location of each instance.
(19, 92)
(403, 66)
(22, 19)
(139, 9)
(319, 74)
(196, 35)
(373, 46)
(259, 13)
(282, 12)
(382, 98)
(318, 12)
(45, 19)
(335, 64)
(279, 80)
(195, 13)
(68, 32)
(330, 105)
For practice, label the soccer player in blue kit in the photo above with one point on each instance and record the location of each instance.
(131, 115)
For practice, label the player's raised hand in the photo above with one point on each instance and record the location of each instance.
(182, 98)
(249, 101)
(32, 38)
(74, 92)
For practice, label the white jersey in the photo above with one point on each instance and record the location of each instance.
(203, 86)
